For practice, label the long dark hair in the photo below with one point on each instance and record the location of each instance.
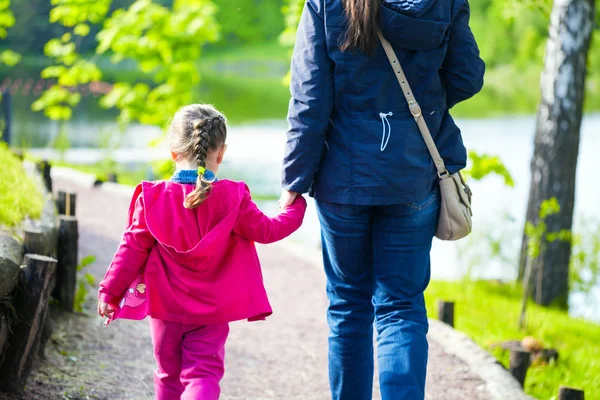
(362, 25)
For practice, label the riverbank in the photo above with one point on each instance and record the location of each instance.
(488, 312)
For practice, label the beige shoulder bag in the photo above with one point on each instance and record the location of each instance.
(455, 210)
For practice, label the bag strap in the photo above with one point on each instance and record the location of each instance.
(414, 107)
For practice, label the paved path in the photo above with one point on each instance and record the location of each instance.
(282, 358)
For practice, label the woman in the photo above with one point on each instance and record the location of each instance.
(354, 146)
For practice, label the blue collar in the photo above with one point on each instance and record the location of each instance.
(190, 176)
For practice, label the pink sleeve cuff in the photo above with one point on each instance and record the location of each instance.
(107, 298)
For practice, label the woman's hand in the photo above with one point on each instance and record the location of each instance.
(287, 199)
(105, 309)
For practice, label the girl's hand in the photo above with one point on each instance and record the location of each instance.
(287, 199)
(105, 309)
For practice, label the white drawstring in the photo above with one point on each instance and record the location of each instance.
(385, 138)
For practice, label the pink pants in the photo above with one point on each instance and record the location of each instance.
(190, 360)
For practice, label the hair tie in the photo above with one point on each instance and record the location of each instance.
(201, 170)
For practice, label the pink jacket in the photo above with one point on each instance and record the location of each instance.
(196, 266)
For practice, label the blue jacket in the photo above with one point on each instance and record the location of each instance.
(351, 137)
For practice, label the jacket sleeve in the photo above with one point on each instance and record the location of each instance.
(310, 107)
(462, 70)
(254, 225)
(130, 257)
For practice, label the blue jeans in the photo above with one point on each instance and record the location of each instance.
(377, 265)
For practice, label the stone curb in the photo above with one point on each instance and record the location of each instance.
(499, 381)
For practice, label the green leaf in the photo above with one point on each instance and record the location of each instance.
(529, 229)
(563, 236)
(10, 58)
(58, 113)
(74, 99)
(80, 296)
(66, 37)
(56, 49)
(86, 261)
(53, 71)
(82, 30)
(90, 279)
(483, 165)
(549, 207)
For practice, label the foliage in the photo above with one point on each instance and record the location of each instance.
(7, 20)
(538, 234)
(244, 21)
(486, 311)
(512, 38)
(230, 94)
(20, 197)
(84, 283)
(584, 268)
(163, 42)
(61, 142)
(292, 12)
(491, 249)
(70, 69)
(483, 165)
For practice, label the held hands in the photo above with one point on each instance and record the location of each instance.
(287, 199)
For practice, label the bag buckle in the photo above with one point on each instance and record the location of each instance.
(415, 109)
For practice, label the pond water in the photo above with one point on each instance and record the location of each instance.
(255, 152)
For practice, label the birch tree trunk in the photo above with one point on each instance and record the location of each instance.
(554, 161)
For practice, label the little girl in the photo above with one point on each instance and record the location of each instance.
(187, 259)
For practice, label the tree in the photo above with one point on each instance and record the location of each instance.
(164, 42)
(7, 20)
(558, 123)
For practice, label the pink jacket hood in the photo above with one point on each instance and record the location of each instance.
(194, 266)
(193, 239)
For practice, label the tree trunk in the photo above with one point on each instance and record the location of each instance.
(554, 161)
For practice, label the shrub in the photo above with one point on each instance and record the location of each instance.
(19, 196)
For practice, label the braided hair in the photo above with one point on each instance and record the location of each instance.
(197, 130)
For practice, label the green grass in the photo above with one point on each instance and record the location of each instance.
(266, 51)
(488, 312)
(245, 99)
(19, 195)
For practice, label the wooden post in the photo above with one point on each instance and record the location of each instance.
(38, 242)
(7, 114)
(66, 203)
(4, 327)
(519, 363)
(566, 393)
(66, 276)
(446, 312)
(44, 168)
(31, 307)
(112, 177)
